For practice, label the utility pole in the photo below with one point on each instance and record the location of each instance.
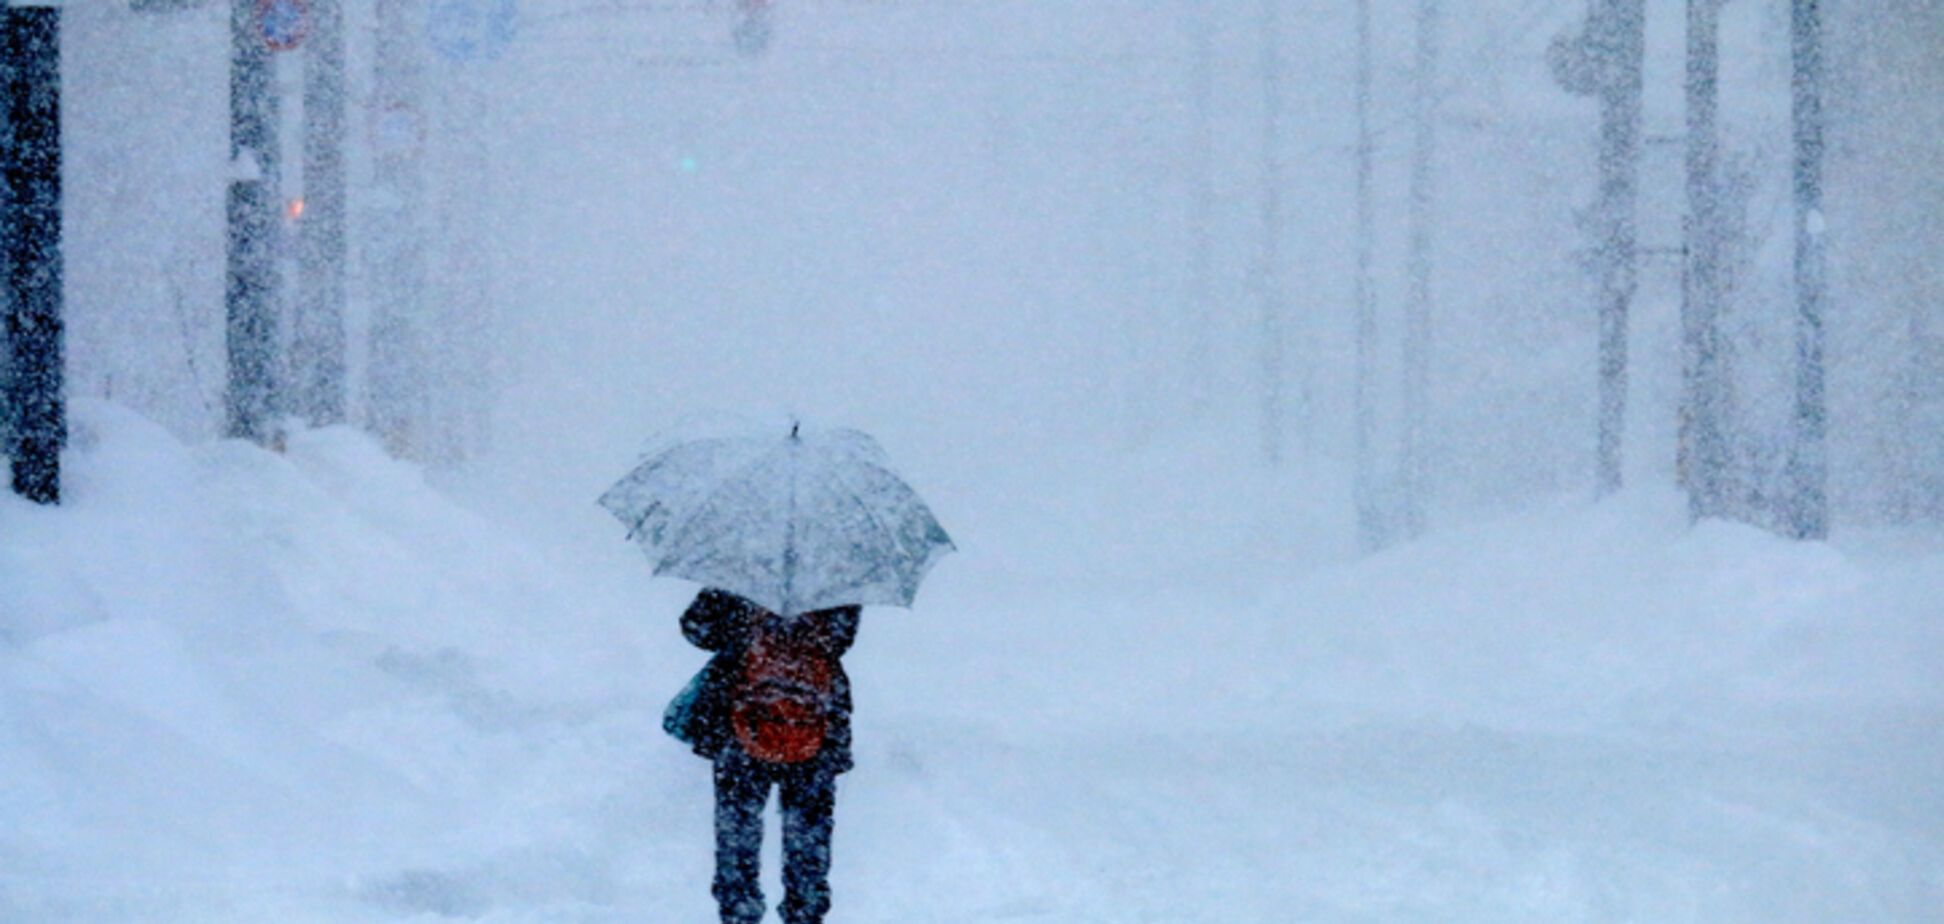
(1269, 276)
(1620, 43)
(1372, 530)
(1703, 440)
(1201, 245)
(1605, 61)
(1417, 314)
(318, 348)
(462, 309)
(1808, 465)
(398, 392)
(30, 224)
(252, 281)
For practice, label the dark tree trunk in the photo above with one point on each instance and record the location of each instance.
(30, 68)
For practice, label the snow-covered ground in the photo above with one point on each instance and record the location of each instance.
(243, 686)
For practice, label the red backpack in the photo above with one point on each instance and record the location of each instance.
(783, 695)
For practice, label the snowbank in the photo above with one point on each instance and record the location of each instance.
(240, 685)
(230, 677)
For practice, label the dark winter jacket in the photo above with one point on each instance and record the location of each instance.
(721, 622)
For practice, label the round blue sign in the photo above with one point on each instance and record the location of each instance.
(283, 23)
(470, 30)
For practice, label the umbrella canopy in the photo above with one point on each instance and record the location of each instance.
(802, 523)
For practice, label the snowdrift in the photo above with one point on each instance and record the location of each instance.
(234, 681)
(241, 685)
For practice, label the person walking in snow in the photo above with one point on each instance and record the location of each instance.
(771, 710)
(790, 537)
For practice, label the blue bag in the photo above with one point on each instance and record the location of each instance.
(678, 720)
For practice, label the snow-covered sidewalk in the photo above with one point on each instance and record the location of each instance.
(241, 686)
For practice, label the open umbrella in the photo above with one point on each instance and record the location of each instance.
(797, 524)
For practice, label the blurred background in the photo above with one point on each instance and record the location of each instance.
(1014, 238)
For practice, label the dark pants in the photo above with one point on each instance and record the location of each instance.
(742, 786)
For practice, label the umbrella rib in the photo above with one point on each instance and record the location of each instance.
(844, 484)
(846, 488)
(843, 490)
(709, 499)
(638, 480)
(895, 478)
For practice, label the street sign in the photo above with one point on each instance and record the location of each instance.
(470, 30)
(753, 30)
(397, 130)
(283, 23)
